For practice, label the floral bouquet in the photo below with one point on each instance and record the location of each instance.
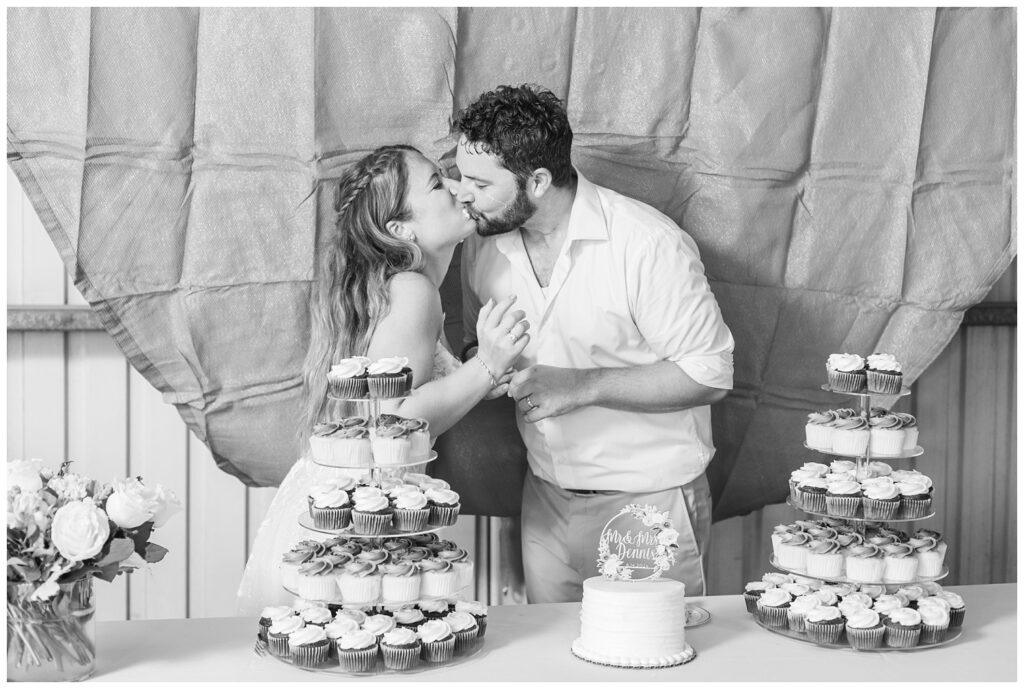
(62, 530)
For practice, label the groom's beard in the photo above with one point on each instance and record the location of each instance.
(515, 214)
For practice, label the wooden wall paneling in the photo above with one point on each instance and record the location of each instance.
(1004, 509)
(158, 451)
(978, 459)
(1009, 481)
(257, 502)
(98, 432)
(216, 535)
(43, 397)
(15, 396)
(15, 238)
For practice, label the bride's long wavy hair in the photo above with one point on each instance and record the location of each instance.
(350, 289)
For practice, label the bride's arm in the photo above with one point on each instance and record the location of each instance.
(411, 329)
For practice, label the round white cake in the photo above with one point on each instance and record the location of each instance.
(633, 623)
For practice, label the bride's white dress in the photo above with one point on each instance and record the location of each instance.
(261, 582)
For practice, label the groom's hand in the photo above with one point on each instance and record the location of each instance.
(542, 392)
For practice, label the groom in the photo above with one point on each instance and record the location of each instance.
(628, 349)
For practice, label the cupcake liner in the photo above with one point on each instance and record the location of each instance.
(400, 657)
(419, 445)
(929, 563)
(438, 584)
(389, 386)
(793, 557)
(372, 523)
(915, 508)
(311, 655)
(263, 628)
(797, 621)
(400, 589)
(359, 590)
(865, 570)
(843, 381)
(850, 442)
(358, 660)
(750, 600)
(331, 517)
(465, 639)
(277, 644)
(886, 443)
(872, 637)
(956, 617)
(842, 505)
(910, 438)
(481, 623)
(813, 502)
(391, 451)
(342, 452)
(318, 587)
(825, 632)
(880, 510)
(901, 637)
(828, 566)
(348, 388)
(443, 515)
(795, 496)
(818, 436)
(933, 633)
(899, 570)
(439, 651)
(411, 520)
(773, 616)
(884, 382)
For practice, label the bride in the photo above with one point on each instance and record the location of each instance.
(376, 295)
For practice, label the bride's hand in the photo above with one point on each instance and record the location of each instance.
(502, 335)
(501, 389)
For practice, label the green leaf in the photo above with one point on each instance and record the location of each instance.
(155, 553)
(108, 572)
(119, 549)
(141, 537)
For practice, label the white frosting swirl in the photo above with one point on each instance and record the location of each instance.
(331, 498)
(366, 491)
(434, 630)
(379, 624)
(442, 496)
(934, 601)
(411, 500)
(912, 487)
(823, 613)
(429, 483)
(844, 488)
(460, 621)
(317, 616)
(340, 627)
(310, 634)
(372, 503)
(794, 589)
(287, 625)
(473, 607)
(401, 636)
(881, 491)
(804, 603)
(842, 466)
(350, 368)
(275, 612)
(845, 362)
(863, 618)
(955, 601)
(887, 603)
(408, 616)
(884, 362)
(908, 617)
(390, 364)
(933, 615)
(358, 640)
(775, 597)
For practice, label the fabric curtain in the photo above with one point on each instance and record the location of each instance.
(848, 175)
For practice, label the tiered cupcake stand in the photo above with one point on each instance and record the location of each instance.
(378, 473)
(860, 523)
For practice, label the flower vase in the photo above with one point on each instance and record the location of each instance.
(51, 640)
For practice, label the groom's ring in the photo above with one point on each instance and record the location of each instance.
(512, 336)
(530, 402)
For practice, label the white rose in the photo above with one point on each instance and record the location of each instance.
(668, 537)
(24, 473)
(169, 505)
(80, 529)
(132, 504)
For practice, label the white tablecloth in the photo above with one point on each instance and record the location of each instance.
(531, 643)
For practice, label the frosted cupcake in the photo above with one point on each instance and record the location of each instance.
(934, 623)
(795, 589)
(317, 579)
(843, 498)
(337, 628)
(419, 438)
(372, 514)
(316, 615)
(479, 612)
(792, 551)
(825, 624)
(278, 633)
(400, 582)
(902, 628)
(797, 613)
(752, 592)
(864, 563)
(881, 500)
(341, 446)
(410, 618)
(461, 563)
(439, 579)
(330, 508)
(777, 578)
(900, 563)
(773, 608)
(391, 445)
(373, 555)
(824, 560)
(412, 511)
(930, 552)
(846, 372)
(348, 378)
(957, 608)
(309, 646)
(379, 625)
(389, 377)
(884, 374)
(812, 494)
(464, 627)
(887, 602)
(438, 641)
(864, 629)
(354, 614)
(400, 648)
(357, 651)
(915, 498)
(817, 432)
(887, 436)
(851, 436)
(270, 615)
(910, 431)
(434, 609)
(360, 583)
(444, 506)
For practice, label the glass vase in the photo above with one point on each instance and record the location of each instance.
(51, 640)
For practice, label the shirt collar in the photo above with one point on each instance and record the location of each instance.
(587, 219)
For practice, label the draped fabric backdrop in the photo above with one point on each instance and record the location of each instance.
(848, 175)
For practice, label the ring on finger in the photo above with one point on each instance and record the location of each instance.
(512, 336)
(530, 402)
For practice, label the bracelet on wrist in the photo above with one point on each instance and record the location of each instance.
(490, 375)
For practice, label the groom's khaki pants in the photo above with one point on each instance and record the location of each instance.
(561, 530)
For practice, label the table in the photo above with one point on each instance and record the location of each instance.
(531, 642)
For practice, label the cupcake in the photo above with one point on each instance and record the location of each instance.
(301, 553)
(778, 532)
(337, 628)
(379, 625)
(886, 603)
(372, 514)
(461, 563)
(360, 583)
(773, 608)
(317, 578)
(444, 506)
(915, 499)
(824, 560)
(900, 563)
(354, 614)
(817, 432)
(418, 431)
(843, 498)
(934, 623)
(400, 649)
(851, 436)
(465, 629)
(887, 436)
(884, 374)
(317, 616)
(910, 431)
(795, 589)
(855, 598)
(797, 613)
(881, 500)
(846, 372)
(269, 616)
(479, 612)
(825, 624)
(389, 377)
(864, 629)
(902, 628)
(440, 579)
(373, 555)
(309, 646)
(391, 445)
(400, 582)
(357, 651)
(777, 578)
(873, 591)
(330, 508)
(912, 592)
(957, 608)
(930, 553)
(438, 641)
(792, 551)
(864, 563)
(348, 378)
(410, 618)
(434, 609)
(752, 591)
(827, 597)
(278, 633)
(337, 445)
(812, 494)
(411, 510)
(843, 466)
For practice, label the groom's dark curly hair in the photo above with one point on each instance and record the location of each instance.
(525, 126)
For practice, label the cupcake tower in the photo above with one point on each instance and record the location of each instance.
(381, 593)
(851, 580)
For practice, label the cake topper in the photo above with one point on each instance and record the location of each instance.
(637, 544)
